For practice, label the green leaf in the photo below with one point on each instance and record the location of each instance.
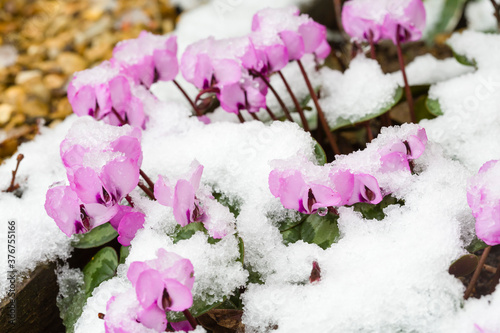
(341, 122)
(95, 237)
(71, 306)
(434, 107)
(124, 252)
(320, 154)
(241, 249)
(476, 245)
(199, 307)
(464, 60)
(291, 236)
(421, 110)
(100, 268)
(448, 19)
(371, 212)
(188, 231)
(320, 230)
(234, 204)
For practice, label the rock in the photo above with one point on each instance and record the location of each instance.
(15, 96)
(54, 81)
(26, 76)
(71, 62)
(8, 55)
(35, 108)
(5, 113)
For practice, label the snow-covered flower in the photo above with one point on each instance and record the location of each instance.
(483, 197)
(398, 154)
(295, 193)
(160, 285)
(148, 58)
(104, 93)
(126, 222)
(356, 187)
(299, 33)
(384, 19)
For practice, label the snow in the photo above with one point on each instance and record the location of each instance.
(480, 16)
(426, 70)
(362, 90)
(468, 130)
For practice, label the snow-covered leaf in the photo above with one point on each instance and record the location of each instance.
(100, 268)
(95, 237)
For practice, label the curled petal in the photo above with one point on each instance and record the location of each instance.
(163, 192)
(128, 226)
(294, 44)
(180, 296)
(183, 202)
(153, 317)
(149, 287)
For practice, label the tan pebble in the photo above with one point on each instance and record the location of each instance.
(71, 62)
(54, 81)
(15, 95)
(47, 66)
(25, 76)
(16, 120)
(5, 113)
(35, 108)
(63, 109)
(93, 14)
(54, 123)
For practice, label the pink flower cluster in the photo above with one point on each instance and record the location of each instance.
(483, 196)
(342, 187)
(384, 19)
(236, 69)
(160, 285)
(100, 176)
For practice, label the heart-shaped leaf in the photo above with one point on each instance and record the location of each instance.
(320, 154)
(434, 107)
(124, 252)
(71, 306)
(464, 265)
(188, 231)
(100, 268)
(464, 60)
(370, 211)
(476, 245)
(95, 237)
(320, 230)
(341, 122)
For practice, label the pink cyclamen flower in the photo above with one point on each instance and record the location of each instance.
(483, 198)
(148, 58)
(305, 197)
(73, 216)
(384, 19)
(271, 53)
(356, 187)
(160, 285)
(182, 196)
(398, 154)
(127, 221)
(102, 92)
(163, 284)
(102, 168)
(299, 33)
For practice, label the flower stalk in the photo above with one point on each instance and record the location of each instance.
(477, 272)
(13, 186)
(198, 113)
(321, 115)
(409, 96)
(295, 102)
(275, 93)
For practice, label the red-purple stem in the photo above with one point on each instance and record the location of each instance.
(254, 116)
(271, 114)
(409, 96)
(129, 200)
(369, 132)
(372, 46)
(147, 179)
(324, 123)
(12, 186)
(240, 117)
(190, 318)
(280, 101)
(295, 102)
(198, 113)
(146, 190)
(497, 11)
(479, 267)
